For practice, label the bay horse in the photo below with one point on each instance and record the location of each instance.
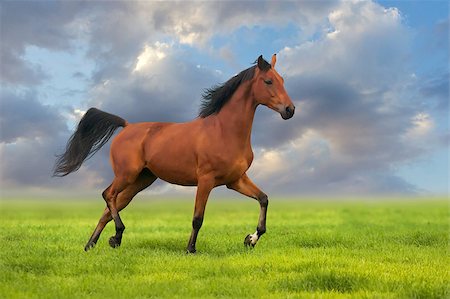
(212, 150)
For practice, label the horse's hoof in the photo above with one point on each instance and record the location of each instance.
(113, 242)
(191, 251)
(89, 245)
(248, 241)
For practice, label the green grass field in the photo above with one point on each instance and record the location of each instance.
(312, 249)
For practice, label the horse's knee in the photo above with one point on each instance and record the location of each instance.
(197, 223)
(263, 200)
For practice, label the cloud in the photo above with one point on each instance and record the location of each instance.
(118, 32)
(197, 24)
(353, 91)
(15, 70)
(22, 116)
(31, 135)
(364, 42)
(160, 86)
(27, 23)
(311, 165)
(436, 91)
(360, 111)
(150, 55)
(28, 165)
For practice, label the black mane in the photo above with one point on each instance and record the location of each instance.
(215, 97)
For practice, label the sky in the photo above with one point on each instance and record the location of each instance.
(370, 80)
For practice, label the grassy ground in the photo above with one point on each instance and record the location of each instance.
(318, 249)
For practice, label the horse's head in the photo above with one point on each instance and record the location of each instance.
(268, 88)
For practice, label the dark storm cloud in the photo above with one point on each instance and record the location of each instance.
(31, 135)
(332, 181)
(23, 116)
(28, 164)
(356, 148)
(354, 121)
(39, 23)
(15, 70)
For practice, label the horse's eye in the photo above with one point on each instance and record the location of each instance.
(268, 81)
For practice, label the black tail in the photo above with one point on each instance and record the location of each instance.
(94, 130)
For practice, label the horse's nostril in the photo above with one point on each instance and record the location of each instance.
(290, 110)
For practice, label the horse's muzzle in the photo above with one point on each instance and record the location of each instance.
(288, 112)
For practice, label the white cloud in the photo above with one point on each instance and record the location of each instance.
(364, 42)
(358, 101)
(420, 132)
(150, 55)
(267, 164)
(423, 124)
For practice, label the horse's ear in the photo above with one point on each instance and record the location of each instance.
(274, 60)
(262, 64)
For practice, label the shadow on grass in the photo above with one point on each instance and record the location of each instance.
(422, 238)
(169, 245)
(212, 243)
(207, 248)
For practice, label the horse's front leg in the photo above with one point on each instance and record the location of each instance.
(205, 185)
(245, 186)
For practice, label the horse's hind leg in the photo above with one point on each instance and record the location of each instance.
(145, 179)
(110, 196)
(106, 217)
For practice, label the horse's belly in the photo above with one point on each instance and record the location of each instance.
(169, 153)
(174, 174)
(173, 165)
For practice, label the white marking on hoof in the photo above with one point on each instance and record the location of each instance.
(254, 238)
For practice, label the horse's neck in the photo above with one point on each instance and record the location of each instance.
(236, 116)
